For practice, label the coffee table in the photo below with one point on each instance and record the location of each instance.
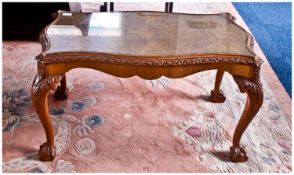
(149, 45)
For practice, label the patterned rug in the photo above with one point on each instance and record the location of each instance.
(111, 124)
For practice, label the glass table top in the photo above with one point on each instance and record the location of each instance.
(147, 34)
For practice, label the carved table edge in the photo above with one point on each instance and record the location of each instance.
(188, 59)
(180, 60)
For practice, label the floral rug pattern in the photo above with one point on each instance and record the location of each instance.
(210, 129)
(110, 124)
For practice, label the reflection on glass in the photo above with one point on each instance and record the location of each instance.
(109, 26)
(147, 34)
(64, 30)
(83, 22)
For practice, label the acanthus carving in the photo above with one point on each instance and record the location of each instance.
(253, 88)
(147, 61)
(177, 60)
(44, 84)
(44, 81)
(252, 85)
(42, 70)
(248, 86)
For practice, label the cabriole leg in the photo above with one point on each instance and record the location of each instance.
(253, 88)
(42, 85)
(217, 95)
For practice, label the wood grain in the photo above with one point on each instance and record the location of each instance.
(53, 66)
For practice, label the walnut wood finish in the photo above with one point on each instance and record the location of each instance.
(61, 92)
(42, 85)
(253, 88)
(52, 67)
(217, 95)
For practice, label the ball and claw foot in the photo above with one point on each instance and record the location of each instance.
(47, 152)
(217, 97)
(237, 154)
(60, 94)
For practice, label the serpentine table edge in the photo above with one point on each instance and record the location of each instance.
(53, 66)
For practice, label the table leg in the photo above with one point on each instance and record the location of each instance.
(253, 88)
(217, 95)
(42, 85)
(61, 92)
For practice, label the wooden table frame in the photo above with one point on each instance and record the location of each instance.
(53, 66)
